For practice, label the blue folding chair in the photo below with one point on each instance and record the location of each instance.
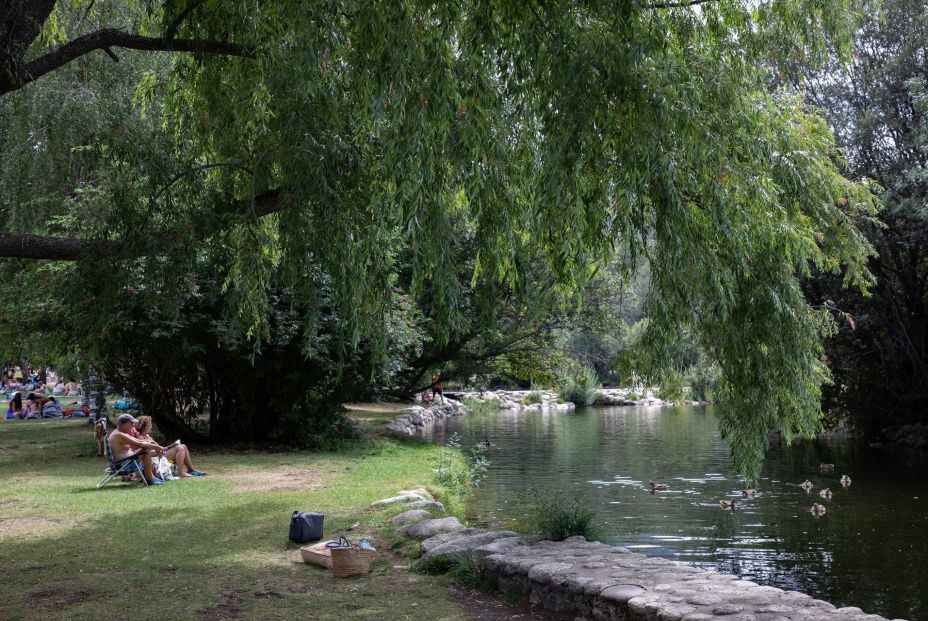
(119, 467)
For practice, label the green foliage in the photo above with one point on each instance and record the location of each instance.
(578, 385)
(532, 397)
(383, 131)
(479, 407)
(473, 575)
(436, 564)
(559, 516)
(877, 355)
(672, 387)
(458, 473)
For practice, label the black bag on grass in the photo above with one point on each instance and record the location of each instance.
(306, 526)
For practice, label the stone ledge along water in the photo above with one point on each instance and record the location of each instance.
(607, 583)
(596, 581)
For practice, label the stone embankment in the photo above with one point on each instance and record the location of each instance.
(595, 581)
(415, 418)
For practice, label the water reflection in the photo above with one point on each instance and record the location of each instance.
(869, 550)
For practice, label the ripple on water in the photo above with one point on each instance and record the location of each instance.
(850, 557)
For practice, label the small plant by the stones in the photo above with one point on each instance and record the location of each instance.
(532, 398)
(560, 516)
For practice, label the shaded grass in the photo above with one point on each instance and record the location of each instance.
(212, 548)
(371, 416)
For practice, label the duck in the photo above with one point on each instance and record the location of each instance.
(657, 487)
(818, 510)
(728, 505)
(485, 444)
(806, 485)
(826, 494)
(826, 467)
(845, 480)
(748, 493)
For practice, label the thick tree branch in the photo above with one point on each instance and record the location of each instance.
(110, 37)
(46, 248)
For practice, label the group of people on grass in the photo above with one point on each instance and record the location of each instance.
(40, 380)
(36, 406)
(131, 440)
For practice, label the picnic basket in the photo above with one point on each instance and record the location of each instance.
(351, 560)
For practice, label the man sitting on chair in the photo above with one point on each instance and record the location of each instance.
(124, 445)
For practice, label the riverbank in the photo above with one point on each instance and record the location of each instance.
(410, 420)
(207, 549)
(590, 580)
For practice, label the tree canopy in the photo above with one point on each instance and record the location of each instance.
(330, 149)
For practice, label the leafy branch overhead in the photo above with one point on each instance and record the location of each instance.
(563, 136)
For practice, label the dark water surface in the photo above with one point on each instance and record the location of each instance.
(870, 549)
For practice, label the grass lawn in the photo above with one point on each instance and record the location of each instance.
(210, 548)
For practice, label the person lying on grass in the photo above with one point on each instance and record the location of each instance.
(125, 445)
(178, 453)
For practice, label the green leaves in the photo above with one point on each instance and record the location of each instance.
(566, 134)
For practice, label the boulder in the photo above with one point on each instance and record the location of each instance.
(424, 504)
(437, 540)
(466, 545)
(421, 491)
(430, 528)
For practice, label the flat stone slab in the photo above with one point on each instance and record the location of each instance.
(430, 528)
(424, 504)
(395, 499)
(437, 540)
(466, 544)
(413, 515)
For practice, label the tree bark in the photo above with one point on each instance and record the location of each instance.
(47, 248)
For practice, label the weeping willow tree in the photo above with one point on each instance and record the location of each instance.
(332, 137)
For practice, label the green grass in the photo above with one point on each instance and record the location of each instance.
(210, 548)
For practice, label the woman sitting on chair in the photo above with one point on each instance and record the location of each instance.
(177, 453)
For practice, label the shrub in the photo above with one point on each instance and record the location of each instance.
(532, 397)
(438, 564)
(578, 386)
(457, 472)
(473, 575)
(561, 516)
(672, 388)
(477, 406)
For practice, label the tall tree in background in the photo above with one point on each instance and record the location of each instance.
(878, 107)
(333, 136)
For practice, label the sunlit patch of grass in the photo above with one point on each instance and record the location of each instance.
(208, 548)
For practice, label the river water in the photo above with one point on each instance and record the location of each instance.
(869, 550)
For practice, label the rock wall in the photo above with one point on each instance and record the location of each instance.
(595, 581)
(416, 417)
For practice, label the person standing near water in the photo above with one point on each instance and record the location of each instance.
(436, 388)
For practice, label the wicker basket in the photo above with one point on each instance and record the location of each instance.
(351, 561)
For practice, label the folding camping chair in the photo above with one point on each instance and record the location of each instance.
(115, 468)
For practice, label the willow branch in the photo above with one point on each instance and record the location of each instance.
(48, 248)
(110, 37)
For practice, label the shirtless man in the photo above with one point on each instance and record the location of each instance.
(124, 445)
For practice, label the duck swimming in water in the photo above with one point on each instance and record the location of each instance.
(826, 494)
(806, 485)
(748, 493)
(484, 444)
(845, 480)
(657, 487)
(728, 505)
(818, 510)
